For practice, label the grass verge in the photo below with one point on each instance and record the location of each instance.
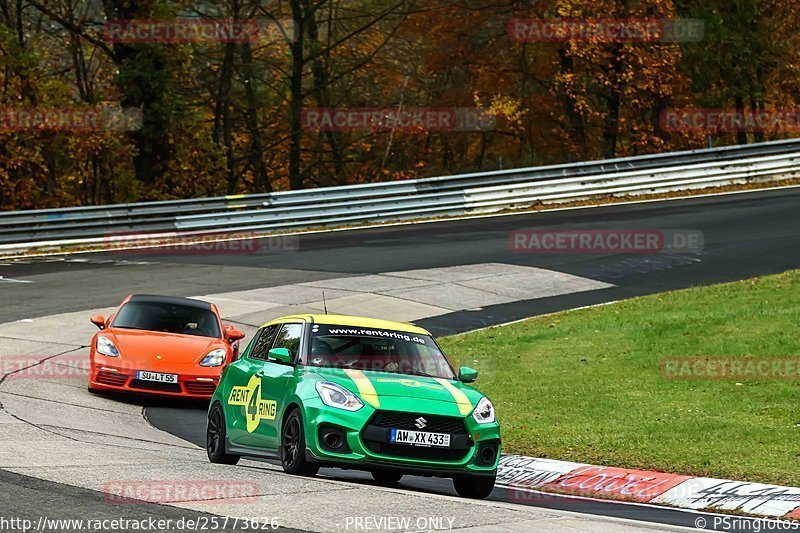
(585, 385)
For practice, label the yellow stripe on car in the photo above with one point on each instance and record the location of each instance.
(464, 405)
(365, 388)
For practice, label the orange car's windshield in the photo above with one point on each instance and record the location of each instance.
(168, 318)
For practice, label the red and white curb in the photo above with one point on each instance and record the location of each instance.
(527, 476)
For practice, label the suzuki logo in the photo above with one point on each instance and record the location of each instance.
(420, 423)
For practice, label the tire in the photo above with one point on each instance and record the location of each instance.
(475, 487)
(386, 477)
(215, 438)
(293, 447)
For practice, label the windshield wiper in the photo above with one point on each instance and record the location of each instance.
(421, 374)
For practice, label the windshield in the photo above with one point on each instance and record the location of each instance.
(168, 318)
(378, 350)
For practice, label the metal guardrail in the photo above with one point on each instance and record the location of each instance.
(411, 199)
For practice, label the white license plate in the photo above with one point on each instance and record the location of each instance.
(156, 376)
(419, 438)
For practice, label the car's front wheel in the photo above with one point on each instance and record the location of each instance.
(476, 487)
(293, 447)
(215, 438)
(386, 477)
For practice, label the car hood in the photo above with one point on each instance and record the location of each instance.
(171, 348)
(386, 390)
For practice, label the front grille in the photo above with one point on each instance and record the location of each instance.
(416, 452)
(155, 386)
(113, 379)
(375, 436)
(434, 423)
(200, 387)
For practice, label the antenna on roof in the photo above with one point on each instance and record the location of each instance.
(324, 304)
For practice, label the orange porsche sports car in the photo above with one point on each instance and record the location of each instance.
(161, 345)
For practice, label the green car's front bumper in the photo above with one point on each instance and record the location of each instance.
(474, 448)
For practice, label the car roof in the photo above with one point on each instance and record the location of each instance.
(170, 300)
(353, 321)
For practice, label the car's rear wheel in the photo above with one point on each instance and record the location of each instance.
(293, 447)
(476, 487)
(215, 438)
(386, 477)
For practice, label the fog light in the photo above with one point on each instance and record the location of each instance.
(487, 455)
(333, 440)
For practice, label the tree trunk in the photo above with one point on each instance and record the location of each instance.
(255, 154)
(143, 83)
(319, 69)
(613, 98)
(741, 135)
(577, 126)
(296, 90)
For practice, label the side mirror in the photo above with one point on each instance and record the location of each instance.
(232, 334)
(98, 321)
(281, 355)
(467, 374)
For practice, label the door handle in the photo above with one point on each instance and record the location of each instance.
(260, 374)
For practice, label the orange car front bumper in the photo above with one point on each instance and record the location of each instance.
(115, 380)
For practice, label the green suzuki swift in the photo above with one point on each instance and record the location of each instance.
(357, 393)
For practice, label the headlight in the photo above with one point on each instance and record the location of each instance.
(484, 412)
(106, 347)
(335, 396)
(214, 358)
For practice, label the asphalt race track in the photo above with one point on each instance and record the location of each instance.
(745, 235)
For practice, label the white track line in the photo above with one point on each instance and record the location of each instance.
(9, 280)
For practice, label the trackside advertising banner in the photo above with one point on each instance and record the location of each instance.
(752, 498)
(533, 476)
(617, 483)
